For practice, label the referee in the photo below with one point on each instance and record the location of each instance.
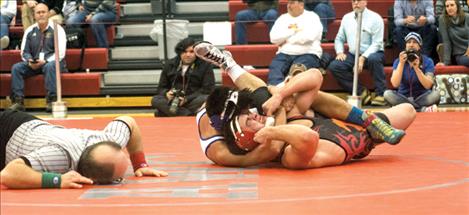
(37, 154)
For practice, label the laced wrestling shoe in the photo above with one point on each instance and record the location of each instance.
(208, 52)
(382, 131)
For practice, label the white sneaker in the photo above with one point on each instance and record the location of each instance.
(208, 52)
(433, 108)
(4, 42)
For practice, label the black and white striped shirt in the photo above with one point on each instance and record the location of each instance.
(52, 148)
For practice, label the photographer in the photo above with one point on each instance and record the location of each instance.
(185, 83)
(413, 75)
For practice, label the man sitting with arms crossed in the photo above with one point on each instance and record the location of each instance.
(41, 155)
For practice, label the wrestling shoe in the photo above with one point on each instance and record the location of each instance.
(208, 52)
(382, 131)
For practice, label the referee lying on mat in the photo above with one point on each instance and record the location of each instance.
(35, 153)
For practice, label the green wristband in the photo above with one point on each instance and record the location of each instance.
(51, 180)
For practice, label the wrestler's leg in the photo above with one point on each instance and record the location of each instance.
(334, 107)
(331, 106)
(400, 116)
(247, 80)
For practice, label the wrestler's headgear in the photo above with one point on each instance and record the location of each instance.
(243, 139)
(224, 103)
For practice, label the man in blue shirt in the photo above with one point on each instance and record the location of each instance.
(371, 52)
(416, 16)
(413, 75)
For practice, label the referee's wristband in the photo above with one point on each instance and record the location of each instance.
(51, 180)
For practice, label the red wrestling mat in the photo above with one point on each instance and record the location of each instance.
(427, 173)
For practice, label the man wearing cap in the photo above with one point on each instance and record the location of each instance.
(371, 52)
(413, 75)
(417, 16)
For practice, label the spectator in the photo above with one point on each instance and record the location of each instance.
(184, 83)
(416, 16)
(7, 13)
(257, 10)
(70, 8)
(55, 11)
(454, 24)
(325, 11)
(298, 35)
(98, 13)
(413, 75)
(37, 53)
(440, 7)
(371, 52)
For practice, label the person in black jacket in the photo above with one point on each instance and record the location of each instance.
(185, 83)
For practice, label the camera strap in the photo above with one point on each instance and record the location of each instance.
(410, 80)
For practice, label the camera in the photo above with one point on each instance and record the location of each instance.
(174, 104)
(412, 55)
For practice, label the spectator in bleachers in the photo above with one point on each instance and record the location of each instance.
(99, 14)
(325, 11)
(37, 53)
(440, 6)
(257, 10)
(415, 16)
(70, 8)
(413, 74)
(185, 83)
(27, 13)
(7, 13)
(298, 35)
(371, 52)
(454, 27)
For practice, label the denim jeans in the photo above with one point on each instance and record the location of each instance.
(343, 72)
(21, 71)
(4, 23)
(98, 24)
(246, 16)
(189, 108)
(325, 12)
(427, 32)
(426, 99)
(281, 63)
(462, 60)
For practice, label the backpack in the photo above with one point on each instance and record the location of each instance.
(454, 88)
(75, 37)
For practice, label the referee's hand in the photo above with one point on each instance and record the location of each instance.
(74, 180)
(148, 171)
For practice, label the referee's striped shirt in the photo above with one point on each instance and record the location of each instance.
(52, 148)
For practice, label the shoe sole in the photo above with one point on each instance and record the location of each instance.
(399, 139)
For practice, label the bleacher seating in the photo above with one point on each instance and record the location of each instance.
(264, 53)
(94, 59)
(330, 84)
(73, 84)
(260, 55)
